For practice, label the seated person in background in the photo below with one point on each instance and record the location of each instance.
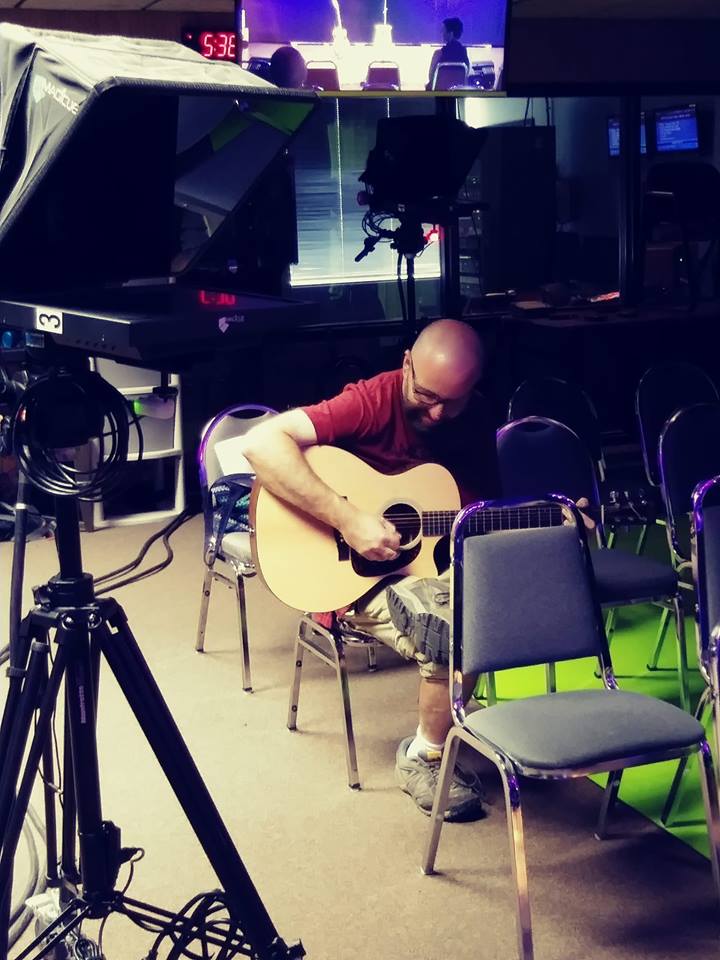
(287, 68)
(453, 51)
(427, 411)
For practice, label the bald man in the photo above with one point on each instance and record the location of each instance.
(427, 411)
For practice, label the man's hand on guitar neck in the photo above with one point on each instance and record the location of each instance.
(584, 503)
(371, 536)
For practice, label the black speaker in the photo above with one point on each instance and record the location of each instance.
(510, 245)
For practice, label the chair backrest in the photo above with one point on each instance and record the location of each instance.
(538, 456)
(522, 596)
(234, 421)
(706, 563)
(663, 390)
(382, 75)
(562, 401)
(450, 75)
(482, 75)
(689, 453)
(260, 66)
(322, 75)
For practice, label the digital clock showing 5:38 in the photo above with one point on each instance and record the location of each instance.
(213, 44)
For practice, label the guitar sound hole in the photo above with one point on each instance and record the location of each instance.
(407, 521)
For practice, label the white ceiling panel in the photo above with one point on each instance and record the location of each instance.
(83, 5)
(200, 6)
(160, 6)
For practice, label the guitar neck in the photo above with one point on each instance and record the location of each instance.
(438, 523)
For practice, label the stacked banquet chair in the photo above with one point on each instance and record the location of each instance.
(689, 452)
(661, 391)
(537, 456)
(327, 643)
(450, 76)
(225, 497)
(537, 605)
(560, 400)
(382, 75)
(706, 572)
(322, 75)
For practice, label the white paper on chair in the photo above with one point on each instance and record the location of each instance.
(231, 458)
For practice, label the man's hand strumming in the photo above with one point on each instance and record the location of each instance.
(371, 536)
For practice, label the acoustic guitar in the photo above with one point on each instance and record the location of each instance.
(307, 564)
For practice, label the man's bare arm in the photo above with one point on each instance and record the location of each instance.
(274, 449)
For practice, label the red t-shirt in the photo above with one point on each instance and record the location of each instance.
(368, 419)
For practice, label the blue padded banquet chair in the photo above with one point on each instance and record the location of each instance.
(663, 390)
(705, 551)
(565, 402)
(226, 542)
(526, 596)
(328, 645)
(539, 456)
(688, 452)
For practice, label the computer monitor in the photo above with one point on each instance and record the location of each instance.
(613, 136)
(676, 129)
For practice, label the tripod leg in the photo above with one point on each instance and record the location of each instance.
(16, 675)
(68, 859)
(48, 768)
(138, 685)
(98, 866)
(15, 816)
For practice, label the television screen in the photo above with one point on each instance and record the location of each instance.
(612, 46)
(676, 129)
(613, 133)
(351, 35)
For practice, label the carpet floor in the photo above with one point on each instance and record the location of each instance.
(337, 868)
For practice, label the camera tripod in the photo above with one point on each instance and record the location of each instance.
(83, 631)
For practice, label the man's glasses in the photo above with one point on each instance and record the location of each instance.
(426, 397)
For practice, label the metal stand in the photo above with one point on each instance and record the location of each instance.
(631, 251)
(84, 631)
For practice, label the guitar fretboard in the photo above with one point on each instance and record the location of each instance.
(438, 523)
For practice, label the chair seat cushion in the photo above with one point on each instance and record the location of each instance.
(236, 546)
(621, 577)
(583, 728)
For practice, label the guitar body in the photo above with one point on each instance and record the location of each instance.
(307, 565)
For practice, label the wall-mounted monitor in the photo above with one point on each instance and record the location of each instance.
(357, 44)
(676, 129)
(620, 47)
(613, 136)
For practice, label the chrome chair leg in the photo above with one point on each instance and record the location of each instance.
(350, 749)
(662, 631)
(204, 604)
(297, 676)
(642, 540)
(682, 659)
(610, 619)
(612, 788)
(243, 628)
(667, 809)
(551, 677)
(519, 863)
(372, 658)
(491, 690)
(712, 813)
(442, 792)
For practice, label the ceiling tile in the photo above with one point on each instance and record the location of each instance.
(200, 6)
(70, 5)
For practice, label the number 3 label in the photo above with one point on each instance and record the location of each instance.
(48, 319)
